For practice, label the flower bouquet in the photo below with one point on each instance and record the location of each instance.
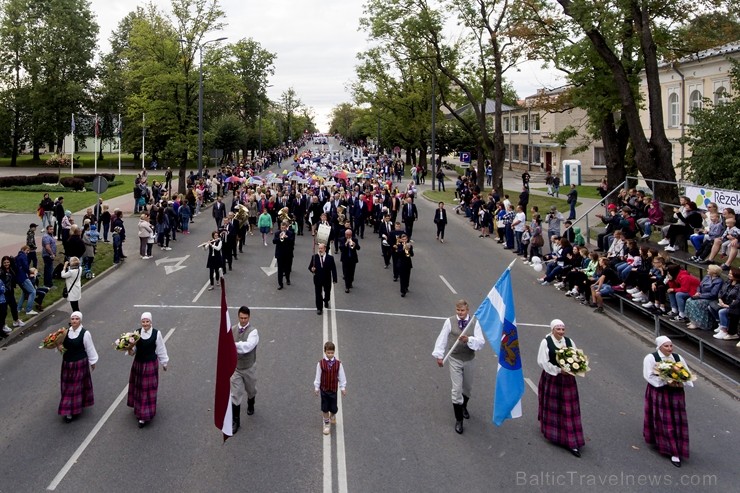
(55, 339)
(673, 372)
(127, 341)
(572, 361)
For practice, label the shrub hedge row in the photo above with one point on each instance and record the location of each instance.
(76, 182)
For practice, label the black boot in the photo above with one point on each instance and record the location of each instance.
(466, 415)
(236, 421)
(458, 418)
(250, 406)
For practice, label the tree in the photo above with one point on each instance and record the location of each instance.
(289, 105)
(715, 142)
(229, 134)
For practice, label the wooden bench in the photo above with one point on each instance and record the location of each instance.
(124, 164)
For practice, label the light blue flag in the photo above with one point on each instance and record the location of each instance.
(497, 318)
(73, 124)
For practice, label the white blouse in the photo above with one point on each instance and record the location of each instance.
(648, 365)
(160, 350)
(92, 354)
(543, 355)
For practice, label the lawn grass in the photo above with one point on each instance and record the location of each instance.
(542, 203)
(85, 161)
(584, 191)
(28, 202)
(103, 260)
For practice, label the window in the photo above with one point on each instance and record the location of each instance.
(506, 124)
(673, 110)
(721, 94)
(695, 103)
(515, 124)
(507, 156)
(525, 153)
(536, 159)
(525, 124)
(535, 123)
(599, 158)
(515, 157)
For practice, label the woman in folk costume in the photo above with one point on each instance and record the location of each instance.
(143, 381)
(78, 358)
(666, 425)
(559, 410)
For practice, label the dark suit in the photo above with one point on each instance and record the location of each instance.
(386, 246)
(408, 216)
(404, 267)
(359, 215)
(284, 254)
(218, 212)
(440, 219)
(323, 275)
(349, 261)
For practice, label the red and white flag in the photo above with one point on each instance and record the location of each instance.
(97, 127)
(225, 366)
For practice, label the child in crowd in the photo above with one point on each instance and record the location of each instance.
(329, 379)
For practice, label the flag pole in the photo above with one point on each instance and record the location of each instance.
(119, 144)
(72, 153)
(444, 360)
(95, 140)
(143, 138)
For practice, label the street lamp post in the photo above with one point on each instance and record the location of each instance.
(200, 104)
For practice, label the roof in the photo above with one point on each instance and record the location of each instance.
(717, 51)
(490, 107)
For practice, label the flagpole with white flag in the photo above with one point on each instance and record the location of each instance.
(225, 367)
(497, 318)
(143, 138)
(120, 128)
(72, 153)
(95, 140)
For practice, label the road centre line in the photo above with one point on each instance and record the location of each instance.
(326, 439)
(339, 427)
(98, 426)
(197, 296)
(447, 284)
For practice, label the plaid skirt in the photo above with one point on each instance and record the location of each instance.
(142, 389)
(666, 425)
(559, 410)
(77, 388)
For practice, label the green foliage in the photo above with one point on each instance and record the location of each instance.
(715, 142)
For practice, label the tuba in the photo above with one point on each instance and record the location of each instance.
(242, 214)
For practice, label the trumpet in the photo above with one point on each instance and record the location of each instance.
(407, 249)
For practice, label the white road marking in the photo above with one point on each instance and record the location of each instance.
(326, 441)
(177, 261)
(531, 385)
(202, 290)
(98, 426)
(339, 427)
(448, 284)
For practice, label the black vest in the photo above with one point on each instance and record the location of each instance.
(146, 350)
(658, 359)
(75, 348)
(552, 348)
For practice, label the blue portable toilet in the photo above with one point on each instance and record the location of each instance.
(571, 172)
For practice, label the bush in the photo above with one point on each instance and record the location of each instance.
(41, 178)
(73, 183)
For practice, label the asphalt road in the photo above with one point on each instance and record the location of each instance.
(395, 430)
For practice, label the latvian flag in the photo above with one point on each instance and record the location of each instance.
(225, 366)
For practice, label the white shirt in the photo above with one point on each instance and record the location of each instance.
(648, 365)
(543, 355)
(244, 347)
(160, 349)
(522, 218)
(342, 377)
(475, 341)
(92, 354)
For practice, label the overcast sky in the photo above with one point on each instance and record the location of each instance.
(316, 45)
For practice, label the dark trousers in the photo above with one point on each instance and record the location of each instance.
(33, 260)
(348, 271)
(324, 297)
(441, 230)
(409, 228)
(405, 277)
(214, 272)
(48, 271)
(75, 306)
(284, 266)
(359, 227)
(386, 250)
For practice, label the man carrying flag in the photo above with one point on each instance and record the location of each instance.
(497, 316)
(225, 366)
(459, 339)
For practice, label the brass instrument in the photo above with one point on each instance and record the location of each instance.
(340, 210)
(242, 214)
(407, 249)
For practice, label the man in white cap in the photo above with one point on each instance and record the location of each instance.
(461, 356)
(559, 411)
(665, 425)
(78, 359)
(143, 383)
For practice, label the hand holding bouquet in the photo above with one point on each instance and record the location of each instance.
(673, 373)
(572, 361)
(127, 341)
(54, 340)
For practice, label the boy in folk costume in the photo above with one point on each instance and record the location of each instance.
(329, 378)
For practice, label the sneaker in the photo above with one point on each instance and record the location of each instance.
(720, 335)
(717, 329)
(167, 248)
(638, 298)
(664, 242)
(692, 326)
(670, 248)
(327, 428)
(7, 330)
(648, 304)
(633, 290)
(725, 267)
(679, 318)
(32, 312)
(544, 283)
(737, 345)
(19, 323)
(571, 293)
(645, 236)
(333, 419)
(728, 337)
(581, 298)
(526, 262)
(599, 309)
(559, 285)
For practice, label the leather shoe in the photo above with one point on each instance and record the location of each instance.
(279, 288)
(326, 304)
(459, 427)
(68, 419)
(466, 414)
(676, 461)
(142, 423)
(346, 290)
(318, 312)
(575, 452)
(287, 282)
(403, 295)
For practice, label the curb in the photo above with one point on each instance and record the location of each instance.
(33, 323)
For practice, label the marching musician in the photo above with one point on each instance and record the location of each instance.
(349, 247)
(324, 272)
(284, 241)
(215, 261)
(404, 252)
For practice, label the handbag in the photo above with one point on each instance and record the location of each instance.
(538, 241)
